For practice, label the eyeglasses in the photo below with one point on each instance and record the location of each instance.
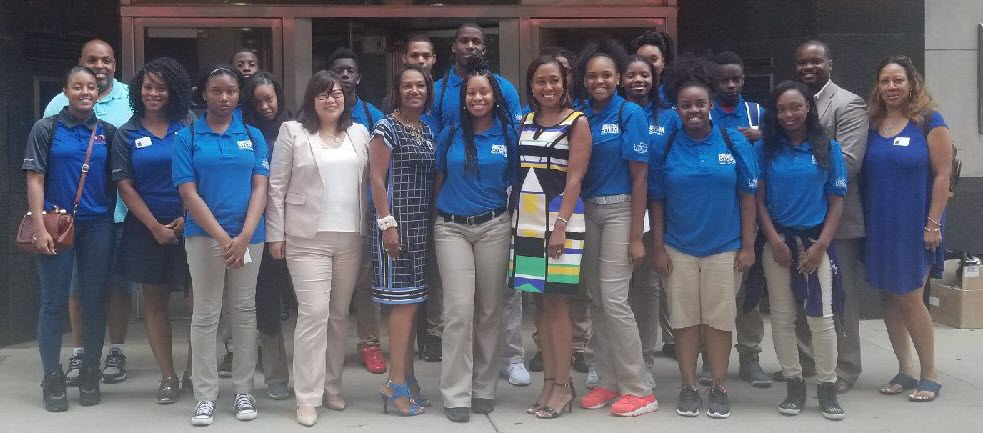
(323, 97)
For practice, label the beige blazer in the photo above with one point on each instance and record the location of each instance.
(296, 193)
(844, 117)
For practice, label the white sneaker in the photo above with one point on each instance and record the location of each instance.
(203, 413)
(517, 374)
(592, 379)
(244, 407)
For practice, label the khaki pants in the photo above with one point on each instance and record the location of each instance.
(324, 271)
(213, 283)
(473, 262)
(848, 366)
(643, 296)
(366, 311)
(785, 310)
(435, 300)
(512, 350)
(617, 347)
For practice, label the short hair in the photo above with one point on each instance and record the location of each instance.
(245, 50)
(199, 91)
(395, 100)
(688, 72)
(178, 83)
(469, 25)
(531, 72)
(418, 38)
(76, 69)
(825, 46)
(342, 53)
(323, 81)
(99, 42)
(609, 48)
(728, 58)
(662, 40)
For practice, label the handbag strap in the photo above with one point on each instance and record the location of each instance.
(85, 169)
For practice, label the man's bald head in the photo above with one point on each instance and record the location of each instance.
(99, 56)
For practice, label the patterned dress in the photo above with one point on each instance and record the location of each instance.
(543, 153)
(410, 193)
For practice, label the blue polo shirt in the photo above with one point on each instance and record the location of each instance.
(222, 166)
(144, 158)
(56, 148)
(447, 101)
(746, 114)
(114, 108)
(485, 189)
(699, 182)
(662, 124)
(358, 113)
(614, 145)
(797, 188)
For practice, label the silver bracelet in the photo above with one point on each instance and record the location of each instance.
(386, 223)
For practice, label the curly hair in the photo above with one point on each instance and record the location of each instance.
(919, 102)
(530, 75)
(198, 94)
(660, 40)
(691, 71)
(322, 81)
(392, 102)
(478, 67)
(249, 115)
(609, 48)
(178, 83)
(772, 130)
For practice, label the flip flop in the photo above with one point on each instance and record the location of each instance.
(926, 385)
(906, 382)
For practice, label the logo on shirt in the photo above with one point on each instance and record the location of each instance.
(518, 116)
(610, 128)
(839, 182)
(500, 149)
(753, 183)
(245, 144)
(642, 147)
(657, 130)
(99, 139)
(265, 164)
(142, 142)
(902, 141)
(725, 159)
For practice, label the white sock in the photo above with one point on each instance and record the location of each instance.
(116, 348)
(78, 351)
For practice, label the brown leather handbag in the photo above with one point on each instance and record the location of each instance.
(59, 223)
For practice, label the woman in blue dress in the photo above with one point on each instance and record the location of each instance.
(906, 185)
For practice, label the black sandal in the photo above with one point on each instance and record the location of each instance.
(547, 412)
(535, 407)
(906, 382)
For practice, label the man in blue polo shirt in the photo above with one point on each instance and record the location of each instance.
(732, 111)
(343, 63)
(112, 107)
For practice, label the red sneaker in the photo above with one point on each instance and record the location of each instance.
(633, 405)
(598, 398)
(372, 359)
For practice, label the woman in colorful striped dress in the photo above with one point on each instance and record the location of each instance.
(548, 223)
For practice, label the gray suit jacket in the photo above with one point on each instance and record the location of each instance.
(844, 116)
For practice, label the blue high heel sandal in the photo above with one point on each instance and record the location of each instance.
(420, 399)
(399, 390)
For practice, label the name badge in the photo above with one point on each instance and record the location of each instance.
(610, 128)
(725, 159)
(245, 144)
(499, 149)
(902, 141)
(142, 142)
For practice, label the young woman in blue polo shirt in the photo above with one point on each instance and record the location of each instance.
(477, 162)
(799, 201)
(701, 191)
(614, 207)
(57, 148)
(152, 247)
(220, 168)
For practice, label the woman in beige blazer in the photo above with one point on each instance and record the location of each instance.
(315, 218)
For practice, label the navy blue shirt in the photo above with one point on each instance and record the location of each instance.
(615, 143)
(447, 100)
(797, 188)
(486, 188)
(144, 158)
(56, 148)
(222, 166)
(359, 111)
(699, 182)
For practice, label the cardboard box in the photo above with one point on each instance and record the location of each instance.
(958, 302)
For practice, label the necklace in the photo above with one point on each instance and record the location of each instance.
(889, 129)
(415, 131)
(335, 138)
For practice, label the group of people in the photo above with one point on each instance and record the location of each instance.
(633, 191)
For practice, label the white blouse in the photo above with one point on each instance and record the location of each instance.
(340, 174)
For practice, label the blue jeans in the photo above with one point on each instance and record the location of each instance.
(93, 249)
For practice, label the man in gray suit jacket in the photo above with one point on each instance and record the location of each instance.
(844, 116)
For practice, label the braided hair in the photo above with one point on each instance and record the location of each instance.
(478, 67)
(178, 84)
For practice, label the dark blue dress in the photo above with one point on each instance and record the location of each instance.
(897, 187)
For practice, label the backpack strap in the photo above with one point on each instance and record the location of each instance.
(368, 115)
(727, 141)
(447, 147)
(754, 119)
(621, 123)
(672, 138)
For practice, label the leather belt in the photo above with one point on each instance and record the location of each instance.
(471, 220)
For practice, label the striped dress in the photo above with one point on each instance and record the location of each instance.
(543, 153)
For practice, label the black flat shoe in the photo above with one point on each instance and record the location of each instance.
(458, 414)
(482, 406)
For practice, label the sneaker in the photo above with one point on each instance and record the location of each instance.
(225, 365)
(536, 363)
(115, 371)
(244, 407)
(592, 379)
(169, 390)
(372, 359)
(718, 405)
(795, 399)
(89, 394)
(828, 405)
(517, 374)
(74, 367)
(598, 398)
(706, 377)
(689, 403)
(632, 405)
(204, 412)
(186, 385)
(278, 391)
(578, 361)
(752, 373)
(53, 391)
